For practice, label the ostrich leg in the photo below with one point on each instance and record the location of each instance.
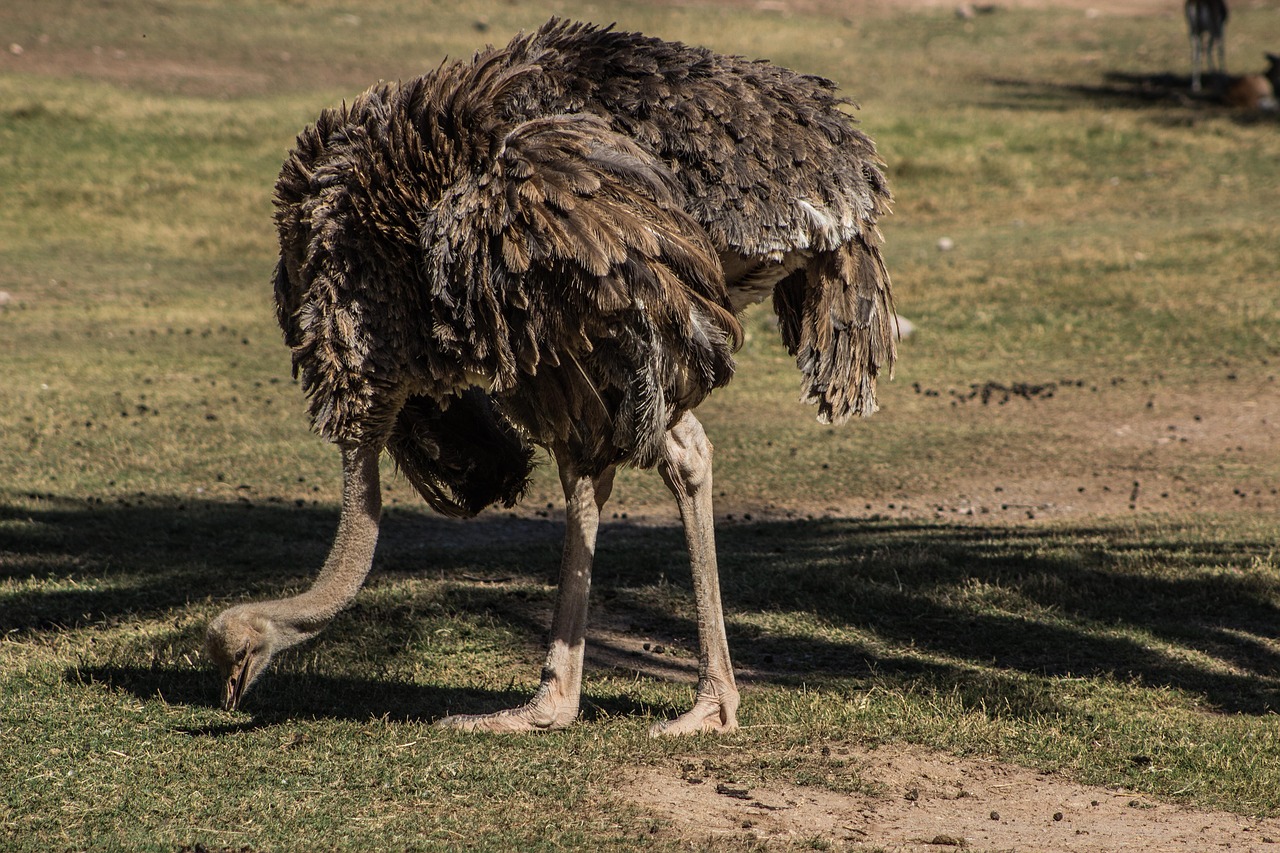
(555, 705)
(686, 469)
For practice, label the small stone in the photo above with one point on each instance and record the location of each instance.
(15, 49)
(995, 815)
(946, 244)
(1057, 815)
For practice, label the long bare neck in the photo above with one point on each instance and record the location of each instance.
(301, 616)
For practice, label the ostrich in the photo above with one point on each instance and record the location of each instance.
(550, 245)
(1205, 20)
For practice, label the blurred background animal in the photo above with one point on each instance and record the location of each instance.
(1206, 20)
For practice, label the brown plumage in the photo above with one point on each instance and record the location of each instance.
(548, 245)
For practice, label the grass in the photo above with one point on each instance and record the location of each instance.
(884, 582)
(1119, 656)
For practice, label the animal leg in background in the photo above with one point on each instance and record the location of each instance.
(1205, 22)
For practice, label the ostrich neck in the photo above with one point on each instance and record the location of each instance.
(300, 617)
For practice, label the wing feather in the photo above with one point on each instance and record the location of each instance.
(607, 282)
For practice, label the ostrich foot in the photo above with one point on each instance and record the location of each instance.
(714, 711)
(544, 713)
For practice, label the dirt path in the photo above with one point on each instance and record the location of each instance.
(855, 7)
(931, 802)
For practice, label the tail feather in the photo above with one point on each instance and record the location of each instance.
(462, 458)
(836, 318)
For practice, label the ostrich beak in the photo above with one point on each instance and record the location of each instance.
(233, 688)
(237, 682)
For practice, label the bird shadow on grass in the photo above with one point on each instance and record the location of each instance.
(972, 610)
(276, 700)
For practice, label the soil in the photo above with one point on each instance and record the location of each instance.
(850, 7)
(1132, 451)
(923, 801)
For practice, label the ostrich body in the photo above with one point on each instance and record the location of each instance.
(549, 245)
(1205, 22)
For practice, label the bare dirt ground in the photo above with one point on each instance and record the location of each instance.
(924, 801)
(857, 7)
(905, 798)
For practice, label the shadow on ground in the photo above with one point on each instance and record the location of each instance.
(275, 700)
(926, 605)
(1167, 96)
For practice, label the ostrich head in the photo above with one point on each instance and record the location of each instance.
(242, 643)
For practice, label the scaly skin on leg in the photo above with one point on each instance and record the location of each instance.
(555, 705)
(686, 469)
